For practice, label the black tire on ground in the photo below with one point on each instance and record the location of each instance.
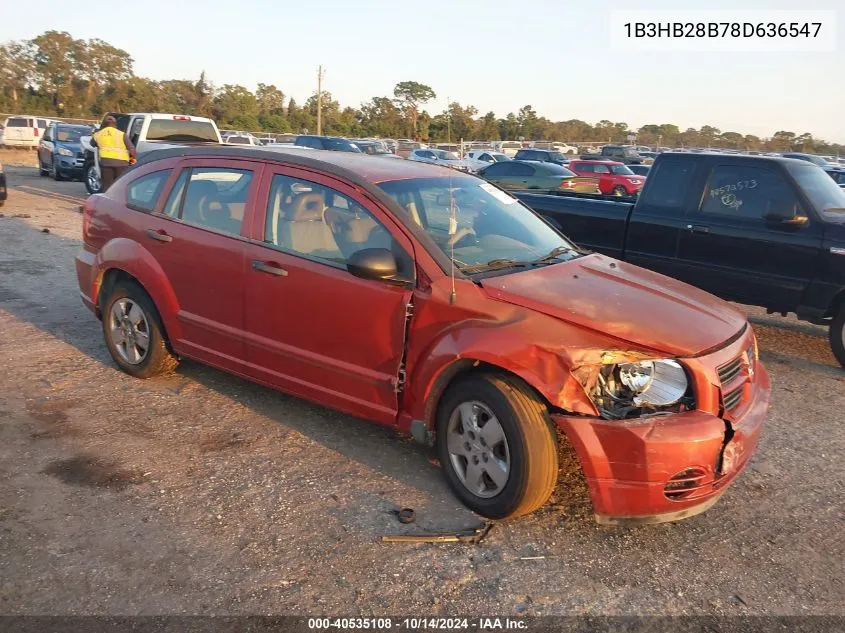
(88, 186)
(55, 174)
(836, 334)
(158, 359)
(619, 190)
(530, 437)
(41, 170)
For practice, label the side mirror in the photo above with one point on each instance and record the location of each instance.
(789, 214)
(373, 263)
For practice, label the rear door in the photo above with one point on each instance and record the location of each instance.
(197, 236)
(313, 328)
(731, 249)
(659, 217)
(18, 130)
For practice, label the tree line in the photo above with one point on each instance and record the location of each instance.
(56, 75)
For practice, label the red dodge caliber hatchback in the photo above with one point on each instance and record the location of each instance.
(430, 301)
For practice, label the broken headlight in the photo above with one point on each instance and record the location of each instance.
(641, 388)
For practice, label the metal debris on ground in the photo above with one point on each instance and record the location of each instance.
(406, 515)
(466, 536)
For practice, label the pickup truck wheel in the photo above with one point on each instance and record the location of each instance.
(837, 336)
(92, 180)
(619, 190)
(133, 332)
(496, 445)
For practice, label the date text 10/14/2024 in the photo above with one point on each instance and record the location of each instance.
(418, 624)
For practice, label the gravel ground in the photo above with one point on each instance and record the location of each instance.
(200, 493)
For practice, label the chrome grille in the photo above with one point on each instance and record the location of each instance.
(732, 399)
(729, 371)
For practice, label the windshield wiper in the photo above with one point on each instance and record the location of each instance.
(494, 264)
(554, 254)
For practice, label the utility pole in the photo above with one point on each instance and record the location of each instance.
(448, 122)
(319, 100)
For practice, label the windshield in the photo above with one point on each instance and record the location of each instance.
(629, 152)
(70, 134)
(341, 145)
(620, 170)
(499, 158)
(488, 223)
(824, 194)
(558, 156)
(182, 131)
(444, 155)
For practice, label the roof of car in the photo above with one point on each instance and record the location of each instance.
(350, 165)
(596, 162)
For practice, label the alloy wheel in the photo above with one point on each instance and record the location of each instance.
(478, 449)
(129, 330)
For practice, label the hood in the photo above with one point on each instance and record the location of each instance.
(623, 301)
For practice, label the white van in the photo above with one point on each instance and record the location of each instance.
(24, 131)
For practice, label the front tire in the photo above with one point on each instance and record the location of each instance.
(836, 334)
(496, 445)
(133, 332)
(619, 190)
(55, 174)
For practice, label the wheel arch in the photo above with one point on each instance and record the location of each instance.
(123, 259)
(460, 369)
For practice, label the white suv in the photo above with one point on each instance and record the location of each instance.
(24, 131)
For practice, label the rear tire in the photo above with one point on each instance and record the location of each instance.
(836, 334)
(528, 447)
(133, 332)
(93, 184)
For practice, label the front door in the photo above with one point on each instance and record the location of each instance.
(731, 249)
(314, 329)
(197, 237)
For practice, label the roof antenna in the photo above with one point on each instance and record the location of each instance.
(453, 231)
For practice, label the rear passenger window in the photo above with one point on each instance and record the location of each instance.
(215, 198)
(319, 222)
(746, 192)
(669, 184)
(142, 194)
(17, 122)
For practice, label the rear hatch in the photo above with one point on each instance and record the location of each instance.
(18, 128)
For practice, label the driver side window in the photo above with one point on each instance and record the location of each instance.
(318, 222)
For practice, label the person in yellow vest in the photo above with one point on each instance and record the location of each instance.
(116, 151)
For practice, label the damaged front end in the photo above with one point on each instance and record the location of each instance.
(669, 434)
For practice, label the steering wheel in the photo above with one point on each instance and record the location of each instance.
(460, 234)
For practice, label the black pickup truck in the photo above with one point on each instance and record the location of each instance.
(756, 230)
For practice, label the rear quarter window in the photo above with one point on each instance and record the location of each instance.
(143, 194)
(18, 122)
(668, 184)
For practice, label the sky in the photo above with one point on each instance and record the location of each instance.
(498, 55)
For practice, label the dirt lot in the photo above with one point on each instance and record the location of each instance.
(200, 493)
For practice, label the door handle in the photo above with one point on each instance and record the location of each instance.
(697, 228)
(270, 268)
(161, 236)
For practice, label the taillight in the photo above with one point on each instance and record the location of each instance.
(35, 131)
(567, 184)
(181, 118)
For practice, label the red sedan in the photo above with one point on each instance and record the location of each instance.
(435, 303)
(614, 178)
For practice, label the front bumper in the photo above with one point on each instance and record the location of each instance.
(669, 467)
